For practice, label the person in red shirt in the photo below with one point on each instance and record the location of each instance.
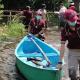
(28, 16)
(70, 33)
(37, 26)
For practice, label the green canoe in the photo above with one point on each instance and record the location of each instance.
(31, 62)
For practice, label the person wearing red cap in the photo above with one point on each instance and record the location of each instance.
(70, 34)
(72, 6)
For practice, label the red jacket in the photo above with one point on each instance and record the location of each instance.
(36, 27)
(72, 37)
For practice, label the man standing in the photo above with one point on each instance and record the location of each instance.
(27, 13)
(71, 34)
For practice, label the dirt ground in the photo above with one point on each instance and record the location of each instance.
(7, 58)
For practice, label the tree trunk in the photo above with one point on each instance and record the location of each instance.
(76, 4)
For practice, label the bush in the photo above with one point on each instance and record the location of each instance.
(15, 29)
(53, 19)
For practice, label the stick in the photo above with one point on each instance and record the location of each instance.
(46, 58)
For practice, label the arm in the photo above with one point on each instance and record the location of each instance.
(29, 28)
(45, 26)
(62, 48)
(42, 31)
(56, 12)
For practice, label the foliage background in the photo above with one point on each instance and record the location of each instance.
(35, 4)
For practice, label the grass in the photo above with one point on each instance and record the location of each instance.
(12, 30)
(15, 29)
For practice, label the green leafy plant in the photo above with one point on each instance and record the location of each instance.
(15, 29)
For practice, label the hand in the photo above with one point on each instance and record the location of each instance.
(29, 35)
(36, 35)
(59, 66)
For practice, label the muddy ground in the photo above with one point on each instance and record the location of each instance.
(7, 58)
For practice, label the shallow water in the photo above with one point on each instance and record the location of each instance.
(8, 69)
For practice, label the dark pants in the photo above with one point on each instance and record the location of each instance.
(62, 24)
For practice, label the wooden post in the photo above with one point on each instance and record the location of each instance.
(10, 16)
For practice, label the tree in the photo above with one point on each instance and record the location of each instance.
(35, 4)
(15, 4)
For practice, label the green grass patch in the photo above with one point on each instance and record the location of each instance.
(53, 19)
(15, 29)
(11, 31)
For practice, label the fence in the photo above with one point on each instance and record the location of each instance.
(7, 15)
(11, 14)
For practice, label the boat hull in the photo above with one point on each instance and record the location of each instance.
(33, 73)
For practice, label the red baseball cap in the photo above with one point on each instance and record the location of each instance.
(71, 15)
